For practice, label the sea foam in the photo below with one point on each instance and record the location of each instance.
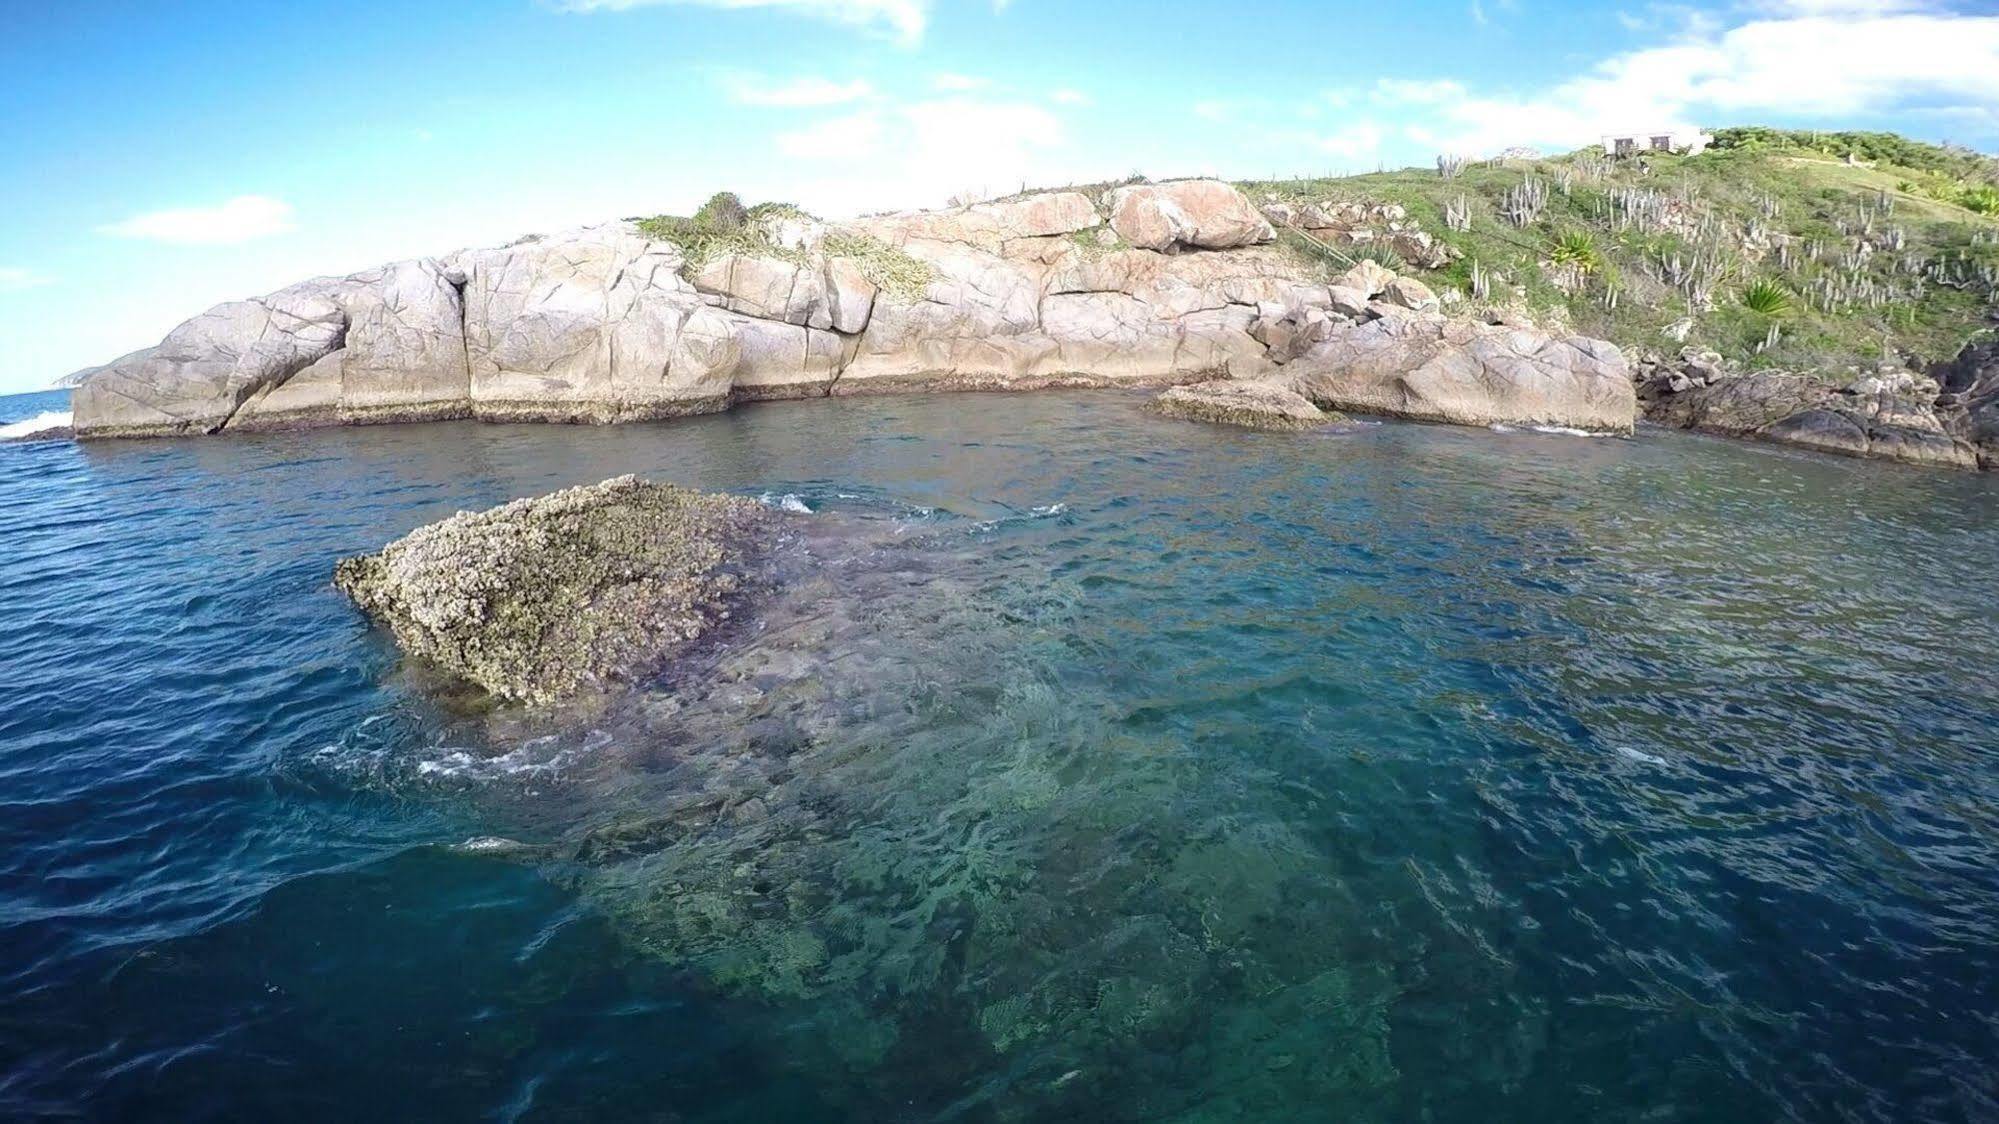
(46, 420)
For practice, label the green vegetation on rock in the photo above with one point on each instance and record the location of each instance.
(1888, 255)
(722, 225)
(888, 268)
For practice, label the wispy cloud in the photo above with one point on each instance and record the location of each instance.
(959, 83)
(903, 20)
(1802, 59)
(1070, 97)
(1355, 145)
(14, 279)
(794, 93)
(923, 151)
(241, 219)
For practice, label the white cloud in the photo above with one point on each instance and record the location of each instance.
(959, 83)
(905, 20)
(747, 89)
(239, 220)
(1358, 144)
(1071, 97)
(924, 152)
(13, 279)
(854, 135)
(1823, 59)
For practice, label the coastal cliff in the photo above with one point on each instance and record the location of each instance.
(1139, 285)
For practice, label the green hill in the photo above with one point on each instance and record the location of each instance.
(1808, 251)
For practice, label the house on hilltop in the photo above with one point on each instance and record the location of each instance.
(1686, 142)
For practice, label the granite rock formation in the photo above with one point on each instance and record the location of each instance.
(1891, 414)
(1147, 285)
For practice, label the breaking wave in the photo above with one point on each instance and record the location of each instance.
(40, 423)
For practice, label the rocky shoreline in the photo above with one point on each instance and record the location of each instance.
(1889, 414)
(1145, 285)
(1148, 285)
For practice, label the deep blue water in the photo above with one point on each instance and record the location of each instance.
(1093, 766)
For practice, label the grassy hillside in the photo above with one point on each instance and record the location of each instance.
(1769, 248)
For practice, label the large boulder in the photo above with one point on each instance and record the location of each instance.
(204, 370)
(402, 357)
(1432, 369)
(1368, 277)
(1188, 214)
(1970, 401)
(1248, 404)
(383, 344)
(1873, 418)
(1407, 292)
(542, 597)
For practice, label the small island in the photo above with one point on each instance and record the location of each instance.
(1757, 289)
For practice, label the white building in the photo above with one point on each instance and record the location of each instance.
(1687, 142)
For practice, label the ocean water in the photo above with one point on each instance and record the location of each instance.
(1090, 766)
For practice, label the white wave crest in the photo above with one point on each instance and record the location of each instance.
(46, 420)
(1556, 430)
(786, 502)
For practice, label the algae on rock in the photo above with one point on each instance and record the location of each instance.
(541, 597)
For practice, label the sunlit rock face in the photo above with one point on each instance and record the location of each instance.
(1146, 285)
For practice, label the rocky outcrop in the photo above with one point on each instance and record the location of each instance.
(1345, 223)
(537, 599)
(1190, 214)
(1429, 368)
(1147, 285)
(1891, 414)
(1249, 404)
(1969, 399)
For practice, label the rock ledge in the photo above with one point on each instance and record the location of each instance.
(1252, 405)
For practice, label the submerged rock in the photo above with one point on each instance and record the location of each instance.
(541, 597)
(1252, 405)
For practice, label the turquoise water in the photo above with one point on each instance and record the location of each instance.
(1091, 767)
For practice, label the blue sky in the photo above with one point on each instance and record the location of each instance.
(160, 158)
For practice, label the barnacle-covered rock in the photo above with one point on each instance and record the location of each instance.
(1252, 405)
(541, 597)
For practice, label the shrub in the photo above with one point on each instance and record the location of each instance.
(1983, 199)
(890, 269)
(1576, 248)
(1375, 252)
(723, 213)
(1766, 297)
(719, 227)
